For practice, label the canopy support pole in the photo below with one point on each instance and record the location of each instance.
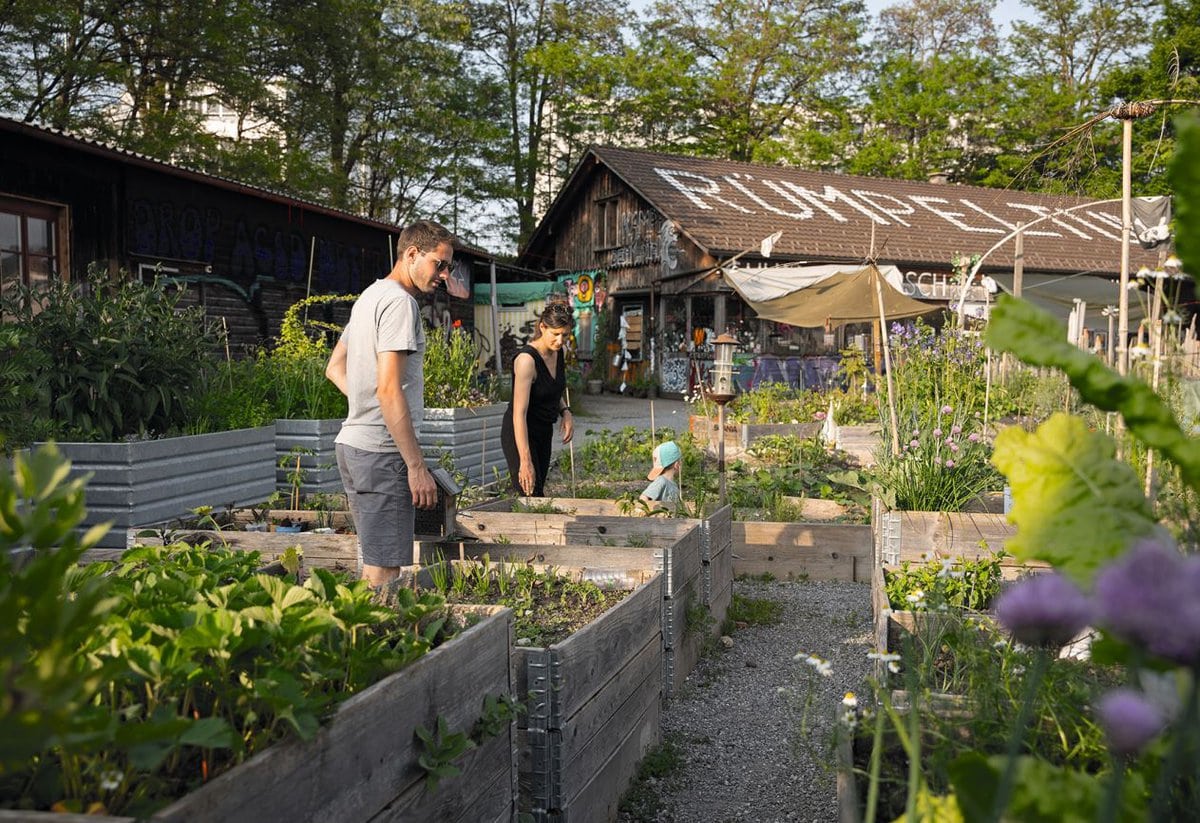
(887, 362)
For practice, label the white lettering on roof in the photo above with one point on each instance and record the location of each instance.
(951, 216)
(710, 189)
(986, 213)
(1111, 219)
(1041, 211)
(801, 203)
(830, 195)
(805, 210)
(873, 197)
(733, 181)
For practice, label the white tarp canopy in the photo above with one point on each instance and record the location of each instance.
(760, 285)
(815, 296)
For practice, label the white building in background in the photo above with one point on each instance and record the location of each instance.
(221, 119)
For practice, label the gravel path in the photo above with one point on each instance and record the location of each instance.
(752, 750)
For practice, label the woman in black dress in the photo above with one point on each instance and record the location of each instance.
(539, 378)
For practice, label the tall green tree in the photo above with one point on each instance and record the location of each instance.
(1170, 71)
(935, 92)
(544, 54)
(747, 69)
(1063, 54)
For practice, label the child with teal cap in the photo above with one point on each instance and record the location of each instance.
(666, 465)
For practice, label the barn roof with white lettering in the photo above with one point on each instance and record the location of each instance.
(727, 207)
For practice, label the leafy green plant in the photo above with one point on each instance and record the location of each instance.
(296, 473)
(452, 373)
(108, 358)
(292, 372)
(943, 463)
(546, 605)
(753, 611)
(441, 748)
(541, 507)
(128, 681)
(959, 583)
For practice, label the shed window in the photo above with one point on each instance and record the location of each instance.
(606, 223)
(30, 248)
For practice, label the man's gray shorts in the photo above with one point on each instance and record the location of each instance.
(381, 503)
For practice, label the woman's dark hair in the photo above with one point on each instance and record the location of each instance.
(557, 316)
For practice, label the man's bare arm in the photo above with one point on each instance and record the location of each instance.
(389, 367)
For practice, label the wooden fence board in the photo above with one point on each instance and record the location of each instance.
(626, 531)
(813, 550)
(604, 565)
(590, 656)
(492, 526)
(587, 738)
(331, 551)
(597, 802)
(718, 606)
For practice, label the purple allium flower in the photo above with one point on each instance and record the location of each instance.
(949, 464)
(1151, 597)
(937, 432)
(973, 437)
(1130, 721)
(956, 429)
(1045, 610)
(947, 409)
(914, 443)
(953, 446)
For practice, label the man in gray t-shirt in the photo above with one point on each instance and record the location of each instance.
(378, 364)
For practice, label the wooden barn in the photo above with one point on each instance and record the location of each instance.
(653, 232)
(245, 253)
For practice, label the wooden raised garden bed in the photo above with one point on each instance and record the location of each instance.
(594, 700)
(749, 432)
(682, 637)
(813, 551)
(329, 551)
(363, 764)
(916, 536)
(696, 557)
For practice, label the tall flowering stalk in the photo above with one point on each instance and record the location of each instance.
(932, 369)
(943, 462)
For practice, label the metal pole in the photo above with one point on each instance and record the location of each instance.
(721, 450)
(495, 321)
(1126, 230)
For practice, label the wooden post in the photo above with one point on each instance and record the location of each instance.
(1126, 230)
(1018, 264)
(887, 362)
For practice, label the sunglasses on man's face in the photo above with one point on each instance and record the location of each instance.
(441, 265)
